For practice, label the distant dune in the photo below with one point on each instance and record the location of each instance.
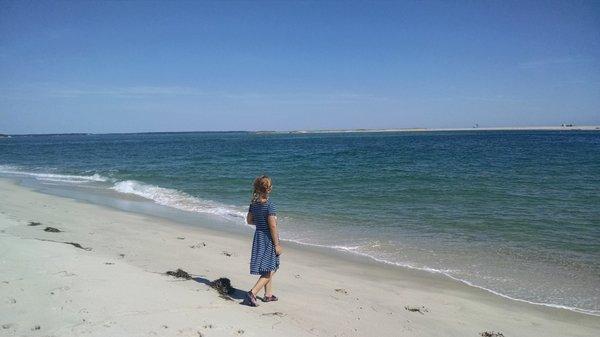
(509, 128)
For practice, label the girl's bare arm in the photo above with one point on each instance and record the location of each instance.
(249, 219)
(272, 220)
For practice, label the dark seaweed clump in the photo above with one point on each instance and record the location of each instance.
(52, 230)
(179, 273)
(491, 334)
(223, 286)
(422, 310)
(75, 244)
(34, 223)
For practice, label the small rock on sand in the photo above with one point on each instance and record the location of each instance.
(341, 291)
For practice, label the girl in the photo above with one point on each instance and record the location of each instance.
(266, 247)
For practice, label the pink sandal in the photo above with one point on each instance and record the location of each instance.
(250, 300)
(271, 298)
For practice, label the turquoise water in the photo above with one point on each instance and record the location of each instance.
(514, 212)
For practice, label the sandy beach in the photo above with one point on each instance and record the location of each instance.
(103, 274)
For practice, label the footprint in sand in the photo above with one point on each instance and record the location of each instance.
(108, 324)
(63, 288)
(341, 291)
(65, 273)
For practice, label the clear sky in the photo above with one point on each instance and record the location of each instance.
(81, 66)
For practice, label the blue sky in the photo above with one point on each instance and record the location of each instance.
(184, 66)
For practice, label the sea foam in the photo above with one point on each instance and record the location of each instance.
(63, 178)
(177, 199)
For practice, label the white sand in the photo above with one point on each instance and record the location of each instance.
(68, 291)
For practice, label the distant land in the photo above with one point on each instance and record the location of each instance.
(509, 128)
(566, 127)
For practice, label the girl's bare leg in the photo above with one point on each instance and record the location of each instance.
(269, 286)
(261, 283)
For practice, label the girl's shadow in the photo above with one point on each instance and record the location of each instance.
(236, 294)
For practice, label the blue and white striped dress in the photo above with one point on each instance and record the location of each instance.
(263, 259)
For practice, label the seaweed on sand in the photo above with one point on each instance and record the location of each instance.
(179, 273)
(52, 230)
(34, 223)
(422, 310)
(223, 287)
(276, 313)
(75, 244)
(491, 334)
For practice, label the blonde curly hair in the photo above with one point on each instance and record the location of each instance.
(262, 187)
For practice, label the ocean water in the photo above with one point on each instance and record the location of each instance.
(514, 212)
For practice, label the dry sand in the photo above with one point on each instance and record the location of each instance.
(114, 285)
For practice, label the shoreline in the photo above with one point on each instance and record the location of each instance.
(185, 218)
(371, 300)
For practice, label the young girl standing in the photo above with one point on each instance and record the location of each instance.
(266, 247)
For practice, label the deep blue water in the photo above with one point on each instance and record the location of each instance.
(515, 212)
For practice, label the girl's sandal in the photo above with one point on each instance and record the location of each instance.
(250, 300)
(271, 298)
